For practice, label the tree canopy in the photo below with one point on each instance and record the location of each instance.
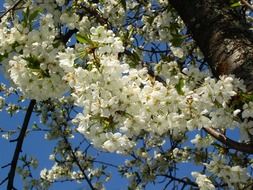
(159, 83)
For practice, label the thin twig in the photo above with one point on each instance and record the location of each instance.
(95, 14)
(75, 159)
(5, 166)
(243, 147)
(3, 181)
(183, 180)
(20, 141)
(11, 8)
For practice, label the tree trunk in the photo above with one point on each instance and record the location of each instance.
(222, 34)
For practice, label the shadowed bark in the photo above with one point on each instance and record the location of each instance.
(222, 34)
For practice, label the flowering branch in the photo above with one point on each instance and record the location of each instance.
(91, 11)
(243, 147)
(20, 140)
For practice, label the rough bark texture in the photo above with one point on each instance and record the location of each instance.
(222, 34)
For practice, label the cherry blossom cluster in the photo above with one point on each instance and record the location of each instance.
(120, 102)
(32, 65)
(124, 100)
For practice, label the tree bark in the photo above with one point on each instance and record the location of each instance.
(222, 34)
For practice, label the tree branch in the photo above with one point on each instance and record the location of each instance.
(243, 147)
(185, 181)
(93, 12)
(75, 159)
(11, 8)
(20, 141)
(247, 4)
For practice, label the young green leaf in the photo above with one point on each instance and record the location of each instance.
(179, 86)
(84, 39)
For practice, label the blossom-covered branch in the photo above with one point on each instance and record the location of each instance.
(128, 78)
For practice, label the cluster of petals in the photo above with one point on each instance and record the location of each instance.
(120, 102)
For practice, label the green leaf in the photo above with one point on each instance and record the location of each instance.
(246, 97)
(34, 14)
(237, 4)
(107, 123)
(84, 39)
(177, 40)
(179, 86)
(25, 16)
(4, 56)
(35, 126)
(32, 62)
(151, 19)
(130, 33)
(134, 57)
(166, 58)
